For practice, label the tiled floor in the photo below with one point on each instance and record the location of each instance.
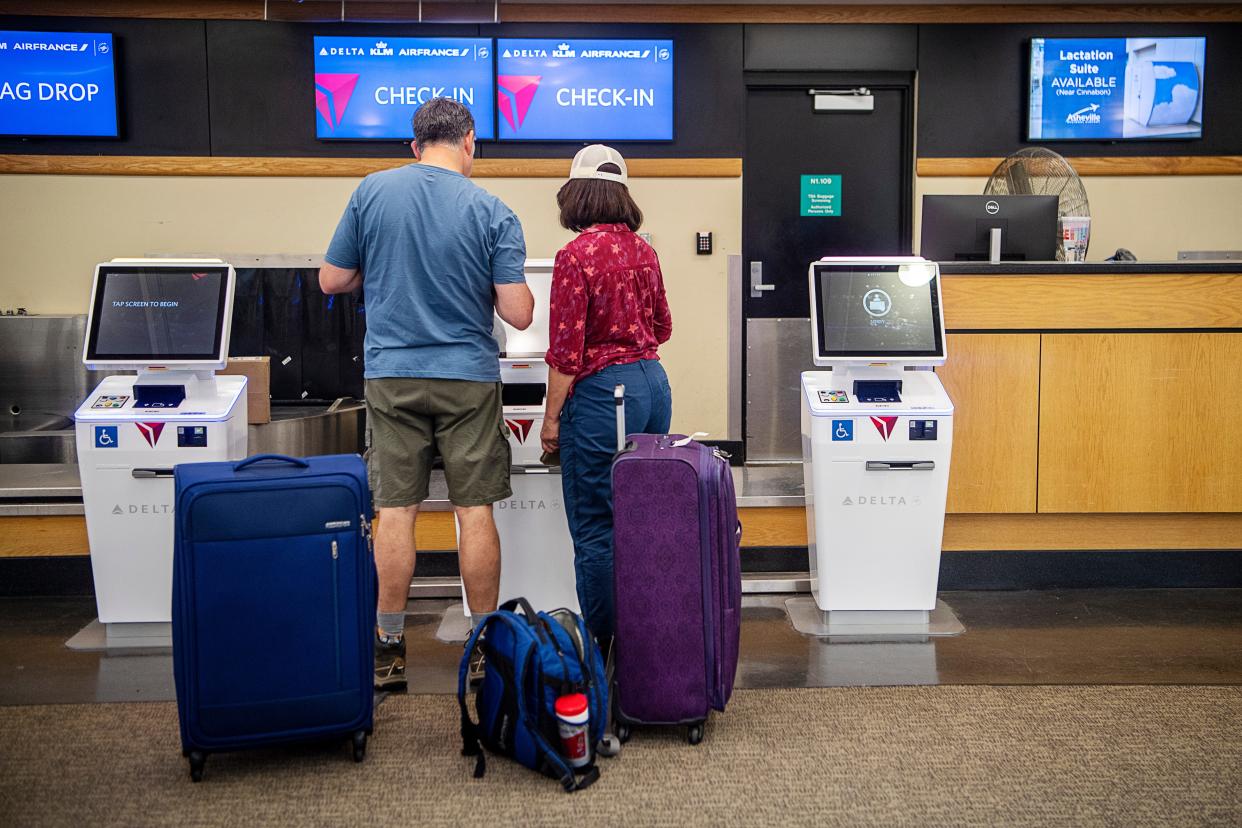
(1075, 637)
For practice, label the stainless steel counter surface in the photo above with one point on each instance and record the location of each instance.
(22, 481)
(757, 486)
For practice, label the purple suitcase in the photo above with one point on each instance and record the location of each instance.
(677, 580)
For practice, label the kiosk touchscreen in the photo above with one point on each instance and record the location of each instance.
(877, 432)
(168, 321)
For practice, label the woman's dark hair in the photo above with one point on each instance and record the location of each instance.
(588, 201)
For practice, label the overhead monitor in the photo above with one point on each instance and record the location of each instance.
(958, 228)
(584, 90)
(368, 88)
(174, 314)
(57, 84)
(876, 310)
(1116, 88)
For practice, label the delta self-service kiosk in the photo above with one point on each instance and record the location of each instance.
(536, 551)
(877, 434)
(169, 321)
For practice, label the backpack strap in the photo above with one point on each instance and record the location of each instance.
(470, 741)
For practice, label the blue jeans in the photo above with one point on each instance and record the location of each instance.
(588, 442)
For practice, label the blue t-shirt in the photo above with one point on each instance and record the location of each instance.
(430, 245)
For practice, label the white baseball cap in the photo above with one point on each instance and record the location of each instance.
(588, 161)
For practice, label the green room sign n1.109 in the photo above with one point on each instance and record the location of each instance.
(821, 195)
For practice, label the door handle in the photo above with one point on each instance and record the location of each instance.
(757, 286)
(901, 465)
(150, 474)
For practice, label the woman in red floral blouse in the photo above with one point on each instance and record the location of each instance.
(608, 315)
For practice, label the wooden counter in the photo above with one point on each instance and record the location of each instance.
(1087, 394)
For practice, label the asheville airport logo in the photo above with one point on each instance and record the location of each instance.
(332, 93)
(514, 94)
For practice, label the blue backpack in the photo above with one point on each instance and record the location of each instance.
(531, 660)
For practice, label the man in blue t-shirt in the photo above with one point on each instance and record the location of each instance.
(436, 254)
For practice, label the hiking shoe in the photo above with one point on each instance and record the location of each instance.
(389, 663)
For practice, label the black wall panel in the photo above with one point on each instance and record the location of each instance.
(161, 88)
(263, 90)
(262, 95)
(785, 48)
(244, 87)
(973, 95)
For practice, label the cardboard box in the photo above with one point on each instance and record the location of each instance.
(258, 373)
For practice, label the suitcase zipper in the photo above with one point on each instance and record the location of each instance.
(336, 608)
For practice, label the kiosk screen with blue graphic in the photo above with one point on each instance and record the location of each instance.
(585, 90)
(1115, 88)
(57, 83)
(369, 88)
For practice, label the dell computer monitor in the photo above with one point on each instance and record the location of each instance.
(958, 228)
(173, 315)
(876, 310)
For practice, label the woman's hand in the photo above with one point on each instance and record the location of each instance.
(550, 434)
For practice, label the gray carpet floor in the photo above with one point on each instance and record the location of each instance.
(846, 756)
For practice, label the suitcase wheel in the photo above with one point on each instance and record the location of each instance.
(198, 760)
(360, 745)
(623, 732)
(694, 733)
(609, 746)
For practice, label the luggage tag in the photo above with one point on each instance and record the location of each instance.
(685, 441)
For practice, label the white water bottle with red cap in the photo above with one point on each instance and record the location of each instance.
(573, 720)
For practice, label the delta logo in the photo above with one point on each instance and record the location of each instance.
(150, 432)
(884, 425)
(332, 94)
(514, 94)
(520, 429)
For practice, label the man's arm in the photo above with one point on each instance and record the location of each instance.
(333, 279)
(515, 304)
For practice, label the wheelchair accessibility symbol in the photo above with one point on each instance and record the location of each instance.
(842, 430)
(105, 437)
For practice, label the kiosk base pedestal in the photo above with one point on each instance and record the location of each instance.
(808, 619)
(100, 637)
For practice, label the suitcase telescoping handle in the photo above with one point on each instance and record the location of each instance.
(618, 398)
(277, 458)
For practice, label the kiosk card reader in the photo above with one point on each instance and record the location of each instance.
(168, 320)
(876, 437)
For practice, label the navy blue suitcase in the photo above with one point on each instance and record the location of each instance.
(273, 615)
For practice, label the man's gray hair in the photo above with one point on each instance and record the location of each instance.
(441, 121)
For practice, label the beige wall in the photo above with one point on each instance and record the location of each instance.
(1153, 216)
(66, 224)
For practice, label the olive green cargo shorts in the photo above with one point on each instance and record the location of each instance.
(410, 420)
